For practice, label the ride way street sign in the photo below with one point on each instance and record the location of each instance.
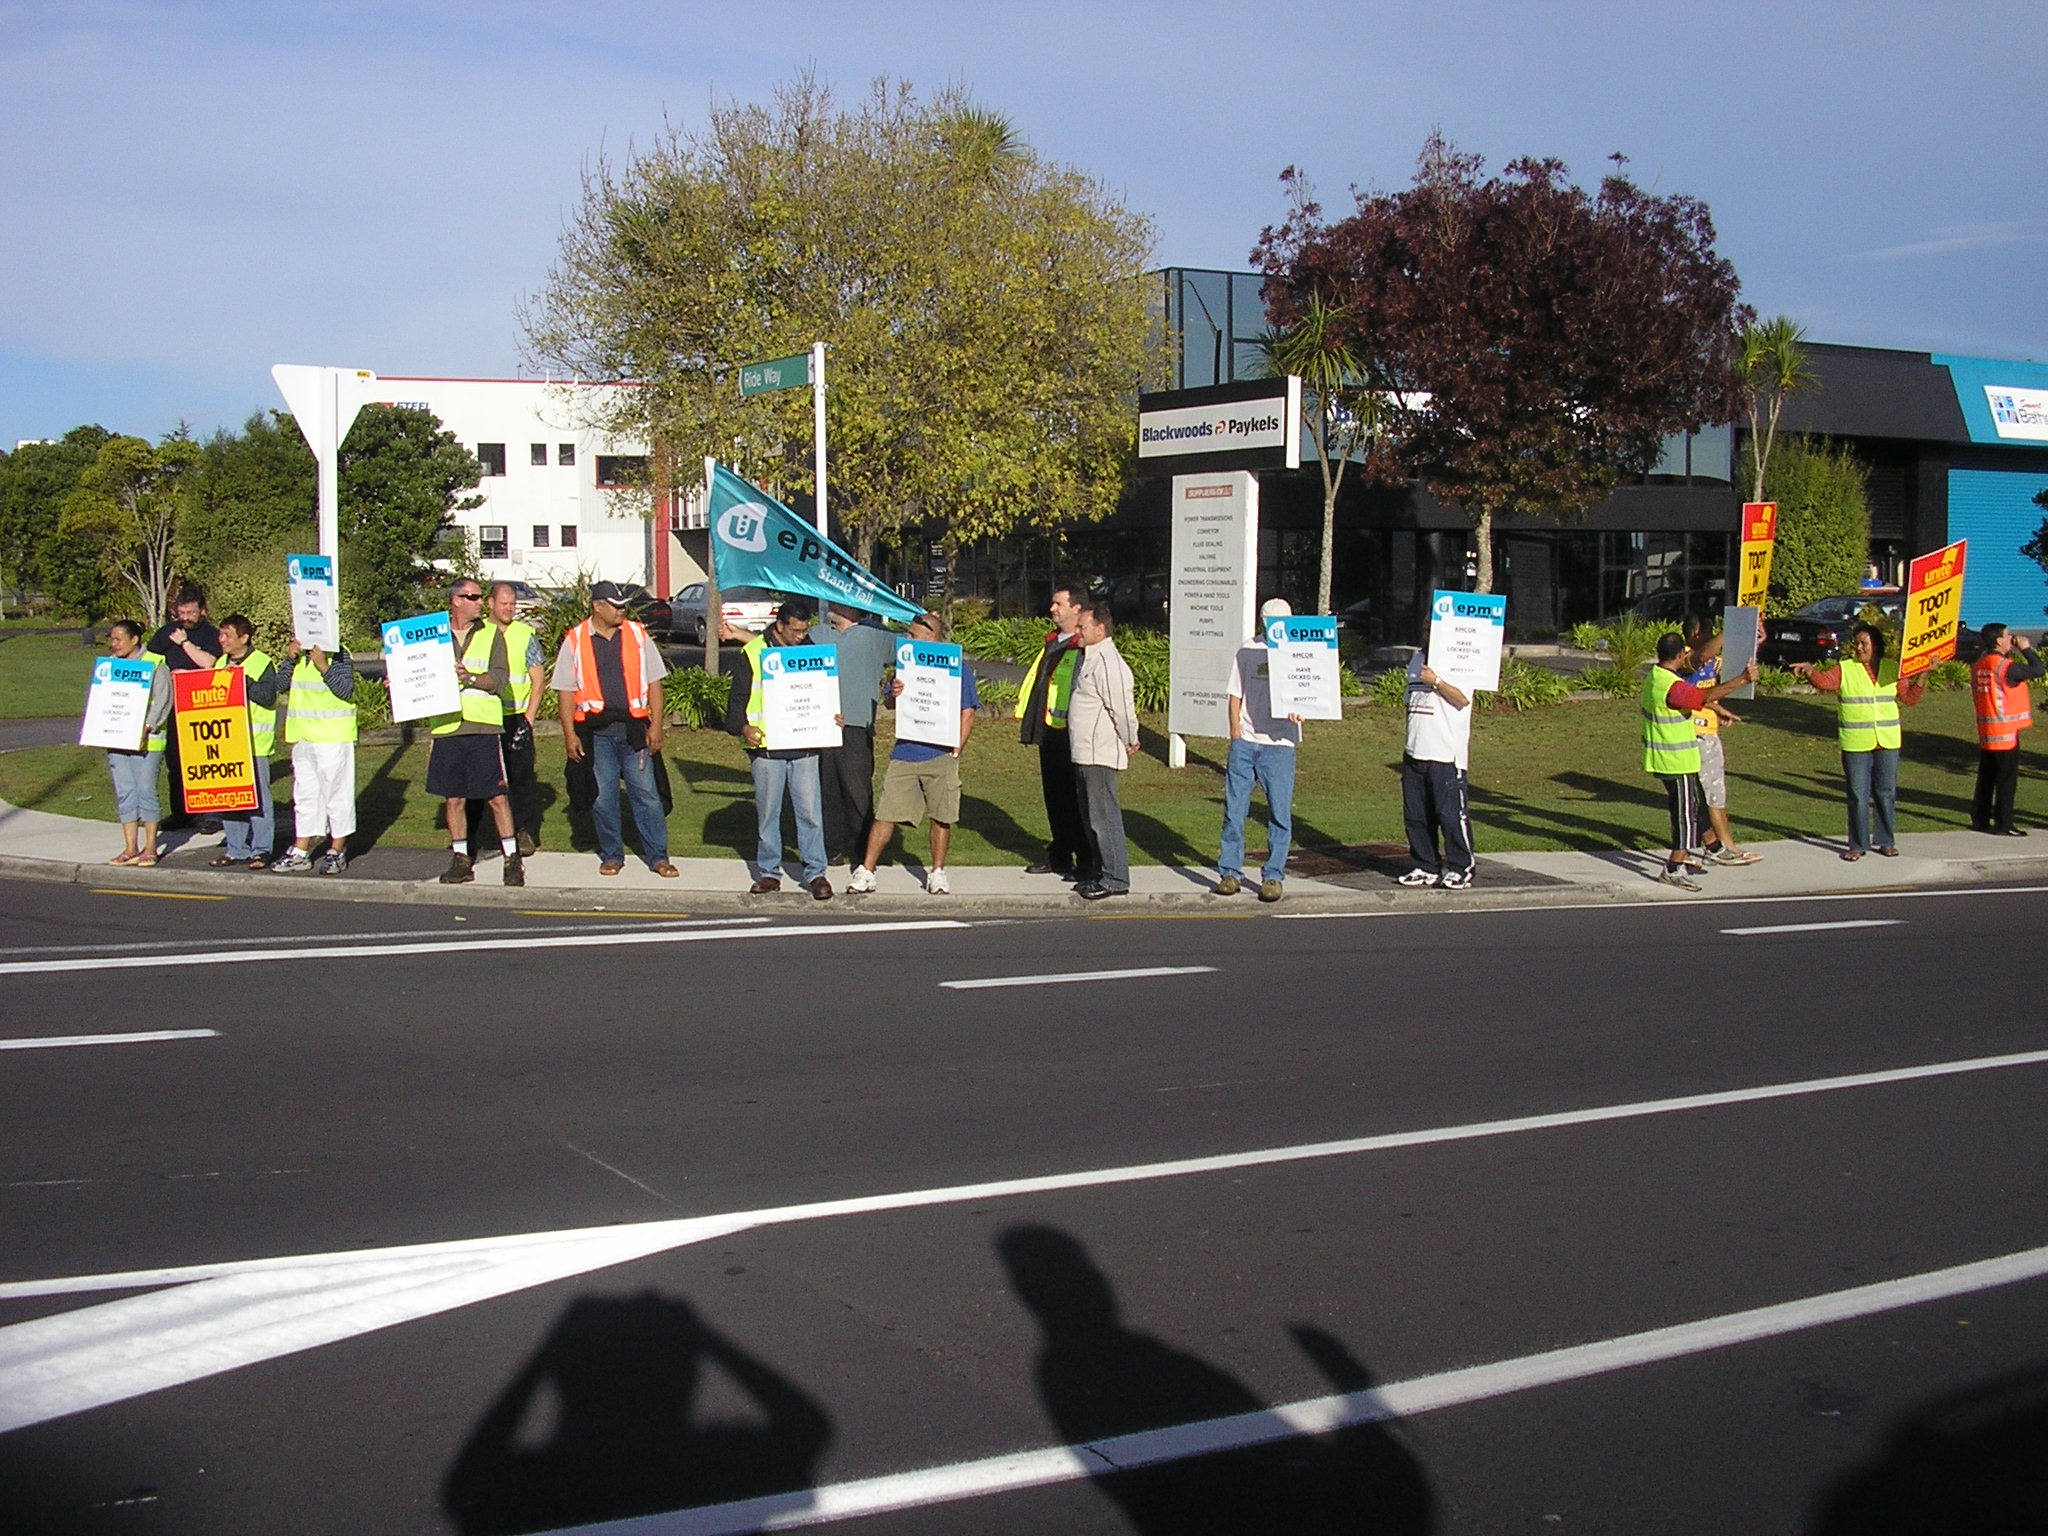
(776, 373)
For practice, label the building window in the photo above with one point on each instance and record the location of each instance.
(491, 538)
(540, 535)
(565, 454)
(537, 455)
(619, 471)
(568, 535)
(492, 457)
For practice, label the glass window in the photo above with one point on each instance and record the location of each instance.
(1247, 324)
(537, 455)
(565, 454)
(492, 457)
(1670, 463)
(615, 471)
(1205, 328)
(569, 534)
(491, 538)
(1713, 455)
(540, 535)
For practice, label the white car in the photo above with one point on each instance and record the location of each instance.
(749, 608)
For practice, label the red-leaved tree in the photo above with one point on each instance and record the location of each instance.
(1538, 342)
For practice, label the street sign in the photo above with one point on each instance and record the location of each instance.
(776, 373)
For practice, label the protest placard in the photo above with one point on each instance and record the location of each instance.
(1759, 540)
(1738, 647)
(1934, 609)
(419, 667)
(1302, 669)
(928, 709)
(316, 615)
(799, 697)
(1466, 630)
(216, 760)
(118, 705)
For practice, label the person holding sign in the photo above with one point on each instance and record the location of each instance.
(135, 769)
(923, 776)
(1705, 659)
(1998, 688)
(468, 759)
(320, 725)
(1867, 731)
(780, 770)
(1102, 720)
(607, 683)
(1261, 755)
(251, 834)
(187, 642)
(1671, 750)
(1435, 759)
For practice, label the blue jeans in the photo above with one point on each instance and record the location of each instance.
(1105, 824)
(135, 775)
(799, 775)
(1272, 768)
(253, 834)
(612, 762)
(1873, 779)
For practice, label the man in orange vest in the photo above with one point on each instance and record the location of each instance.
(1998, 687)
(607, 682)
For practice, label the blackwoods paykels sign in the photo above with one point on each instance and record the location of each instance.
(1255, 425)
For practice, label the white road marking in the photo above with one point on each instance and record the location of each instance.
(222, 1316)
(582, 938)
(1857, 922)
(1063, 977)
(139, 1037)
(252, 940)
(1671, 904)
(1317, 1415)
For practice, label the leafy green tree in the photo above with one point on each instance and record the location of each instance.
(1773, 366)
(34, 479)
(1823, 522)
(246, 490)
(401, 476)
(124, 515)
(984, 309)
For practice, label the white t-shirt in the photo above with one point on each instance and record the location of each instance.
(1437, 733)
(1250, 682)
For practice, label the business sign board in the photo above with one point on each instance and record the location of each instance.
(316, 617)
(2018, 415)
(1466, 630)
(800, 697)
(419, 667)
(1759, 539)
(1213, 604)
(117, 708)
(1255, 425)
(1302, 667)
(1934, 609)
(216, 755)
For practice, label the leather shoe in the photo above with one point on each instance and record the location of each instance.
(2015, 832)
(1046, 869)
(1099, 892)
(767, 885)
(821, 889)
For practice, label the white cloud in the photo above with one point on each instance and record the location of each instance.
(1957, 238)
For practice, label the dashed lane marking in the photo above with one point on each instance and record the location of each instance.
(1859, 922)
(286, 939)
(1062, 978)
(103, 890)
(138, 1037)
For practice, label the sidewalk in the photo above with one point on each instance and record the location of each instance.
(40, 846)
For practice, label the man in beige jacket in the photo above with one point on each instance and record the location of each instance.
(1102, 730)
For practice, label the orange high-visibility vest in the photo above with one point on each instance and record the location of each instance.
(2003, 709)
(589, 692)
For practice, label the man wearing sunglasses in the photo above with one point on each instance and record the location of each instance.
(468, 760)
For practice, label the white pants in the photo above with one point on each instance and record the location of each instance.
(323, 788)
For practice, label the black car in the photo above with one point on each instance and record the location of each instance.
(644, 607)
(1818, 631)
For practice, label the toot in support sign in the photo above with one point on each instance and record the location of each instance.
(1934, 607)
(799, 697)
(215, 761)
(1302, 668)
(1465, 634)
(1759, 539)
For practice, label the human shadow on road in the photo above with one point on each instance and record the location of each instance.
(1100, 1380)
(603, 1423)
(1971, 1464)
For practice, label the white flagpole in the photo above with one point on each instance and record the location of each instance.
(818, 423)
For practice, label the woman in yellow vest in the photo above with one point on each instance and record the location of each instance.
(136, 771)
(1867, 730)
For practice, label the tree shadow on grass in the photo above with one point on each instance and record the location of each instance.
(999, 829)
(1165, 844)
(380, 803)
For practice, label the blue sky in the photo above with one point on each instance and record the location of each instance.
(192, 192)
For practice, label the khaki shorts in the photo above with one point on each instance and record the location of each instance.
(913, 791)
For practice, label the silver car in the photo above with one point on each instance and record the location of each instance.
(749, 608)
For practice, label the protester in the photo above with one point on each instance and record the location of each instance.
(789, 770)
(1707, 723)
(135, 771)
(187, 642)
(1435, 799)
(1102, 722)
(251, 835)
(1261, 754)
(468, 759)
(607, 683)
(1869, 694)
(526, 687)
(1998, 688)
(921, 780)
(320, 726)
(1042, 707)
(1671, 751)
(847, 771)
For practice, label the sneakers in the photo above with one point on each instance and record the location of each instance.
(295, 862)
(529, 845)
(1456, 880)
(515, 870)
(1270, 890)
(458, 871)
(333, 862)
(862, 881)
(1679, 879)
(1416, 879)
(1229, 885)
(935, 882)
(1733, 857)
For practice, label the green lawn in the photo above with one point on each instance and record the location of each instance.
(1564, 777)
(43, 674)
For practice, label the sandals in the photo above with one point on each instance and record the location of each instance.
(1890, 853)
(666, 870)
(1851, 855)
(125, 856)
(610, 867)
(143, 861)
(257, 861)
(222, 861)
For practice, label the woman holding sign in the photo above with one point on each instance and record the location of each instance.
(1867, 730)
(135, 769)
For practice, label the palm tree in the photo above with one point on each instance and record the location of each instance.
(1774, 365)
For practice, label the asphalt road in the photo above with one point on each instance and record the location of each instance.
(873, 1314)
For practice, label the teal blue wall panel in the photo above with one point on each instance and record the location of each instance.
(1995, 510)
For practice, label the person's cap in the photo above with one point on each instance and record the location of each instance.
(930, 621)
(793, 608)
(1276, 608)
(608, 592)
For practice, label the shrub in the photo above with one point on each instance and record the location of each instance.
(1349, 684)
(1146, 652)
(1018, 641)
(694, 697)
(1523, 686)
(373, 703)
(1773, 681)
(1949, 675)
(1616, 682)
(998, 694)
(1389, 687)
(1823, 522)
(968, 610)
(1588, 636)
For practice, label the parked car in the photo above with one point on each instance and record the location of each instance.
(1672, 604)
(749, 608)
(654, 612)
(1818, 631)
(526, 598)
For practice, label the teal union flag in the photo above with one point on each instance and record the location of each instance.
(758, 542)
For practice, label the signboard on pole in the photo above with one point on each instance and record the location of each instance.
(1302, 670)
(776, 373)
(1738, 647)
(316, 616)
(216, 757)
(1759, 539)
(419, 667)
(1934, 609)
(1255, 425)
(1466, 630)
(117, 708)
(799, 697)
(1213, 602)
(928, 709)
